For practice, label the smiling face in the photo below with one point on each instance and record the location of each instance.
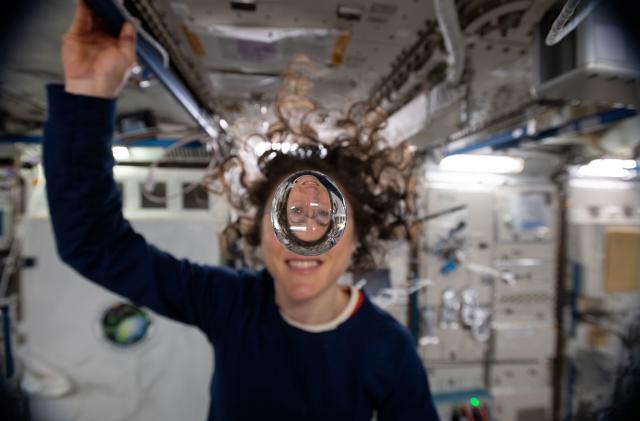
(298, 277)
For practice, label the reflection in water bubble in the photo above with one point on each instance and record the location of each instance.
(308, 213)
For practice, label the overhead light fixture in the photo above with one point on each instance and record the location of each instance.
(244, 5)
(120, 153)
(351, 13)
(483, 163)
(610, 168)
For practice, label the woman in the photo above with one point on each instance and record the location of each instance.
(290, 344)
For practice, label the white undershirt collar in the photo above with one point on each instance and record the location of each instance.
(331, 324)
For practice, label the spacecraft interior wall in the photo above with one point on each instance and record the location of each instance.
(165, 376)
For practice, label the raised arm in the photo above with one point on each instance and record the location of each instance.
(91, 233)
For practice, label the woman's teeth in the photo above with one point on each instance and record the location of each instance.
(303, 264)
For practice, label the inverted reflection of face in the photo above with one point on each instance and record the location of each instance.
(308, 209)
(308, 213)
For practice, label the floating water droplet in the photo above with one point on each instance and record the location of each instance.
(308, 213)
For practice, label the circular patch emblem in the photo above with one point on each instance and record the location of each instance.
(124, 324)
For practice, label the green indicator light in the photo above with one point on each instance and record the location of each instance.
(475, 402)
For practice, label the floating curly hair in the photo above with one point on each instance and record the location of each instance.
(378, 178)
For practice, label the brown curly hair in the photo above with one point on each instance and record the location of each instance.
(378, 178)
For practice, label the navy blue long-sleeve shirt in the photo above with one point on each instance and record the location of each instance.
(264, 367)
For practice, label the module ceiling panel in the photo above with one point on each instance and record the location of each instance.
(234, 71)
(309, 27)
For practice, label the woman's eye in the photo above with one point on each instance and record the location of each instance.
(323, 217)
(296, 214)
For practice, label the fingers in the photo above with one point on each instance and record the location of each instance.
(127, 41)
(82, 20)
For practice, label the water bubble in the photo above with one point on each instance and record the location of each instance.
(308, 213)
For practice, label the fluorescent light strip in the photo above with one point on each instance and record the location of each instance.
(496, 164)
(120, 153)
(609, 168)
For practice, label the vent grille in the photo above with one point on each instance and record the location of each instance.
(199, 155)
(526, 298)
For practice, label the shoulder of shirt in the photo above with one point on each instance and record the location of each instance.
(385, 330)
(230, 279)
(258, 282)
(233, 274)
(388, 349)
